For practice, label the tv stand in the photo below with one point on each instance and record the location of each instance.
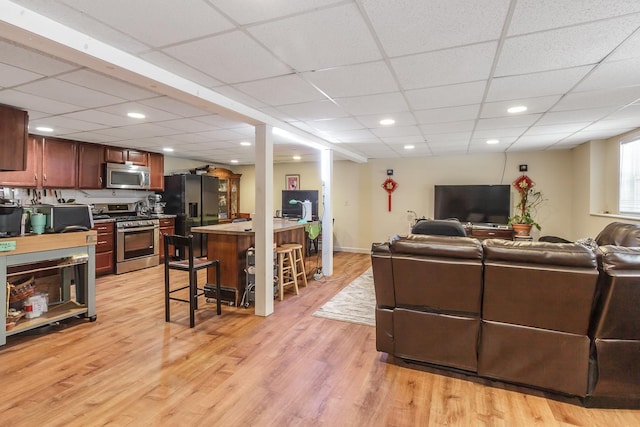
(485, 230)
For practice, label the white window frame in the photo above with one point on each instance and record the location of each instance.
(629, 178)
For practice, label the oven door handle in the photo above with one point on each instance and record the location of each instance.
(122, 230)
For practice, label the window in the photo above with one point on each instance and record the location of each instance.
(630, 177)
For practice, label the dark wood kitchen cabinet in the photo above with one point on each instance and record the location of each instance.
(156, 166)
(105, 254)
(13, 138)
(123, 155)
(29, 176)
(90, 166)
(167, 226)
(59, 159)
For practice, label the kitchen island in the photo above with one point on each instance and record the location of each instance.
(229, 243)
(71, 256)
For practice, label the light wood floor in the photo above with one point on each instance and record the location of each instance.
(130, 368)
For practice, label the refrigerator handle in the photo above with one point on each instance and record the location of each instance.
(193, 210)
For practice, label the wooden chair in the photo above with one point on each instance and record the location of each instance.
(286, 270)
(192, 266)
(298, 262)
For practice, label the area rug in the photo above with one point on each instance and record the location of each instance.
(355, 303)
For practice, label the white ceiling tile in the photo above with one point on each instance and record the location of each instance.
(451, 127)
(354, 80)
(13, 76)
(592, 135)
(101, 117)
(502, 142)
(445, 67)
(281, 90)
(356, 136)
(60, 122)
(451, 114)
(446, 96)
(347, 123)
(319, 40)
(630, 112)
(71, 93)
(179, 68)
(229, 57)
(598, 98)
(33, 61)
(397, 131)
(612, 74)
(91, 79)
(630, 48)
(173, 106)
(250, 11)
(538, 84)
(156, 23)
(449, 138)
(95, 137)
(500, 134)
(536, 15)
(615, 125)
(556, 129)
(27, 101)
(220, 135)
(143, 130)
(508, 122)
(186, 125)
(387, 103)
(405, 27)
(534, 105)
(404, 139)
(308, 111)
(575, 116)
(562, 48)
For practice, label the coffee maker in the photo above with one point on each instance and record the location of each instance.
(155, 204)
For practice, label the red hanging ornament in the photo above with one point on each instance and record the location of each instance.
(389, 186)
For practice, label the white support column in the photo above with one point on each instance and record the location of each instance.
(263, 220)
(326, 175)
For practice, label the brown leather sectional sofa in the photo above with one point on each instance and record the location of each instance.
(561, 317)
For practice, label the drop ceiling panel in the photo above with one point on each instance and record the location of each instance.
(446, 96)
(562, 48)
(534, 105)
(374, 104)
(356, 136)
(347, 123)
(94, 137)
(451, 127)
(538, 84)
(418, 26)
(13, 76)
(630, 48)
(316, 40)
(282, 90)
(59, 122)
(448, 138)
(185, 125)
(71, 93)
(230, 58)
(612, 74)
(143, 130)
(401, 119)
(536, 15)
(445, 67)
(500, 134)
(179, 68)
(354, 80)
(508, 122)
(91, 79)
(309, 111)
(101, 117)
(152, 114)
(598, 98)
(396, 131)
(250, 11)
(164, 103)
(27, 101)
(451, 114)
(33, 61)
(575, 116)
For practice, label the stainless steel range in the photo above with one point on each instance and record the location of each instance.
(137, 237)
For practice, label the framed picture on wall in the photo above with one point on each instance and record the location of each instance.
(292, 182)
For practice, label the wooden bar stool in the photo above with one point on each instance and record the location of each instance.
(298, 262)
(286, 270)
(192, 266)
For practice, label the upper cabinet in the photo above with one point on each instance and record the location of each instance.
(90, 166)
(229, 193)
(123, 155)
(156, 166)
(59, 159)
(13, 139)
(29, 176)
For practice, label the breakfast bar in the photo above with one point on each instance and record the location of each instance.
(229, 243)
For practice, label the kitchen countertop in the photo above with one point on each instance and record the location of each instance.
(155, 216)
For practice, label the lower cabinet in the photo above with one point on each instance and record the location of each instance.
(105, 255)
(167, 226)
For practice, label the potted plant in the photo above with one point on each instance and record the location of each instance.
(529, 199)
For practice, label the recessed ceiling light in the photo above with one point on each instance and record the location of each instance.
(517, 109)
(409, 147)
(492, 141)
(387, 122)
(44, 129)
(296, 157)
(168, 149)
(245, 143)
(234, 161)
(136, 115)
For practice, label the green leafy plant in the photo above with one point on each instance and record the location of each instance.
(528, 203)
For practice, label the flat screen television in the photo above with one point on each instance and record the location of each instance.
(473, 203)
(295, 211)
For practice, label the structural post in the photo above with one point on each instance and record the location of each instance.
(263, 220)
(326, 175)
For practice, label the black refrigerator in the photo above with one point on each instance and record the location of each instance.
(194, 201)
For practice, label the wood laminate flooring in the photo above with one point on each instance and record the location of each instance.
(130, 368)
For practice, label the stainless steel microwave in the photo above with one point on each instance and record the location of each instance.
(127, 176)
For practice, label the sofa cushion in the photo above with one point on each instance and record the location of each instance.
(619, 234)
(438, 246)
(559, 254)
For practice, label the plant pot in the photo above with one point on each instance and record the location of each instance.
(521, 229)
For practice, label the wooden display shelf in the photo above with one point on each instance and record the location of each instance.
(55, 313)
